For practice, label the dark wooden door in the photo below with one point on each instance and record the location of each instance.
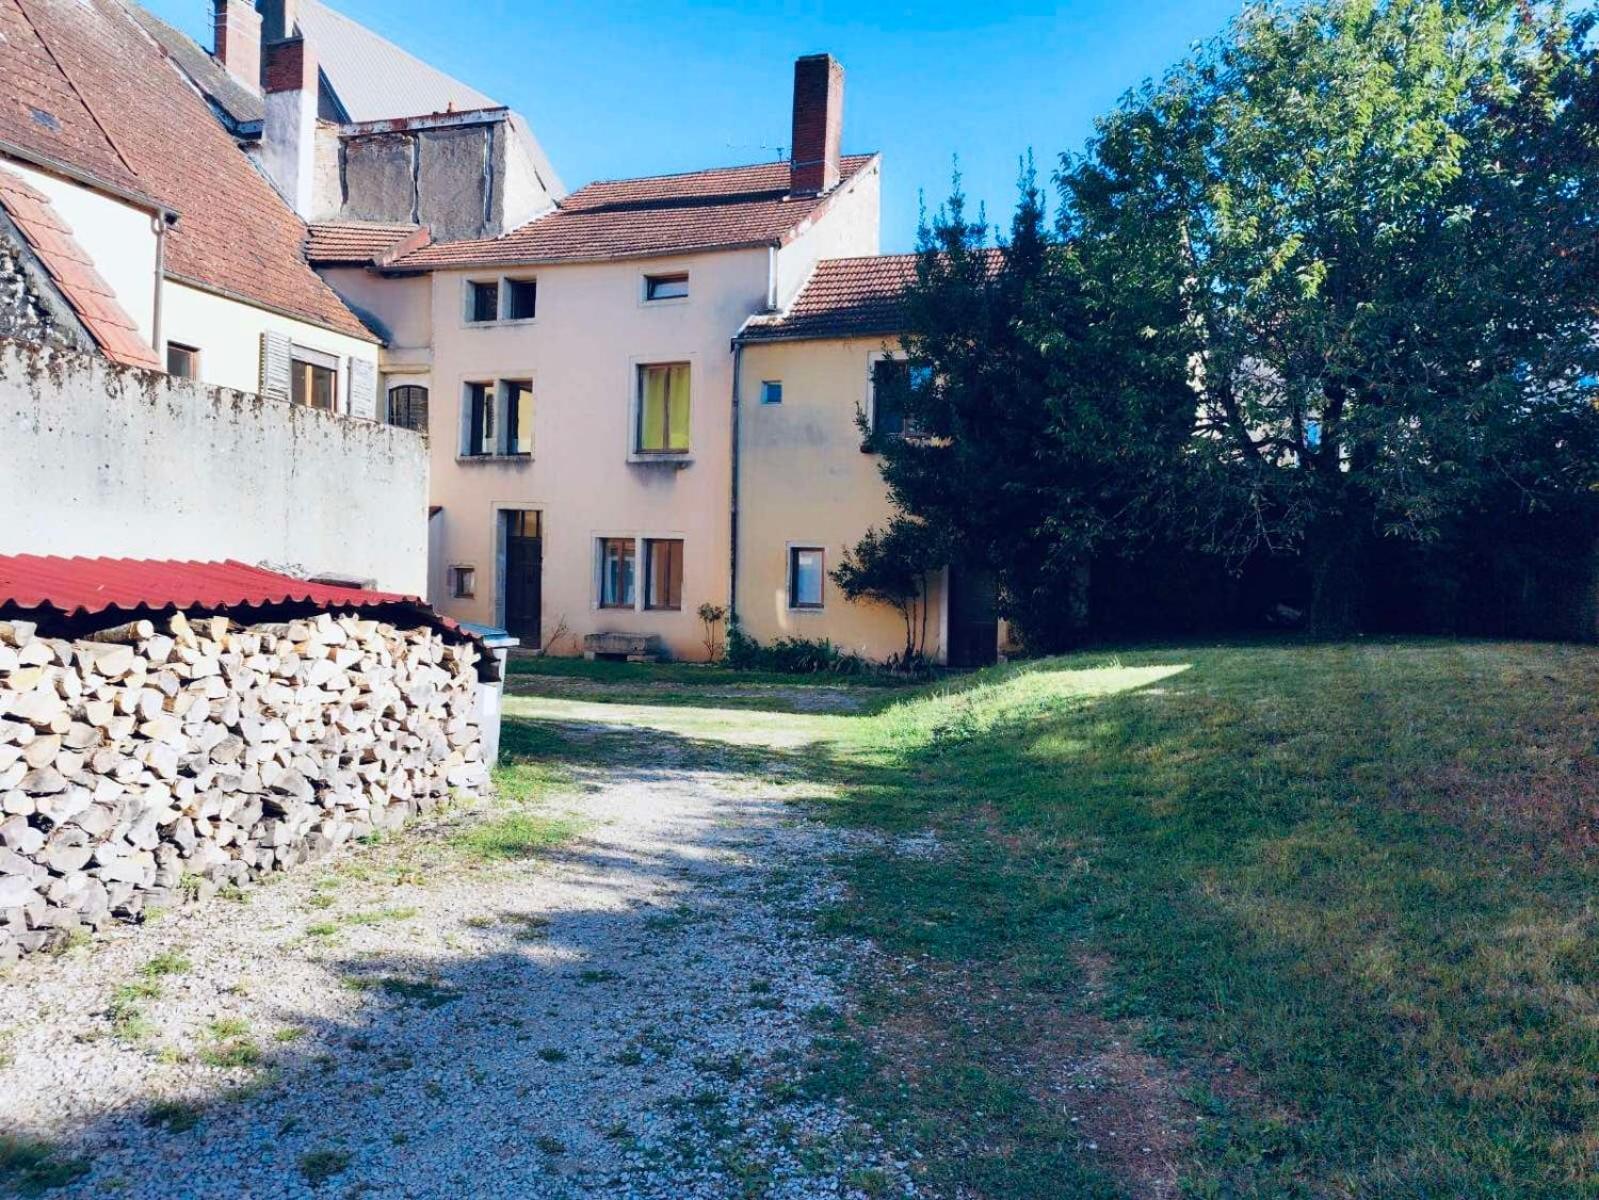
(524, 578)
(973, 618)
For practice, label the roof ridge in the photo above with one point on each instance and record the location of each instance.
(776, 162)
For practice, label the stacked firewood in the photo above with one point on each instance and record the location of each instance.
(144, 766)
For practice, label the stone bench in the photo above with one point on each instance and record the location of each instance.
(634, 647)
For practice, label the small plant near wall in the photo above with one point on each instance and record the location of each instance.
(712, 616)
(892, 566)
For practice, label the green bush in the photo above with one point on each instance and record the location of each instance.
(791, 656)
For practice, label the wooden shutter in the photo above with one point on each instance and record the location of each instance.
(276, 367)
(364, 389)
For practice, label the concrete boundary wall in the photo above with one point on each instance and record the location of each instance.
(97, 459)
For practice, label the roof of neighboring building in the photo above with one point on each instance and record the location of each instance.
(845, 298)
(345, 243)
(238, 104)
(375, 80)
(74, 274)
(723, 209)
(46, 586)
(122, 113)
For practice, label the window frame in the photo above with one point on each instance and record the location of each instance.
(311, 360)
(388, 405)
(602, 545)
(455, 573)
(193, 355)
(637, 450)
(792, 552)
(874, 360)
(508, 286)
(474, 290)
(510, 421)
(654, 281)
(769, 387)
(648, 598)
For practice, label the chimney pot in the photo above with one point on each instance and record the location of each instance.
(818, 124)
(237, 30)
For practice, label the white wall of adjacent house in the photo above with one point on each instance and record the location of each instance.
(847, 227)
(119, 237)
(102, 460)
(227, 334)
(582, 352)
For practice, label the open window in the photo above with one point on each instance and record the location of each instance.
(663, 576)
(663, 409)
(617, 572)
(518, 399)
(478, 404)
(483, 301)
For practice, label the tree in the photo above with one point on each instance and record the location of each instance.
(1367, 229)
(1022, 387)
(892, 566)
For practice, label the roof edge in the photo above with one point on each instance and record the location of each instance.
(56, 166)
(239, 298)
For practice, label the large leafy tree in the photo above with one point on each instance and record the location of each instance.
(1024, 381)
(1368, 228)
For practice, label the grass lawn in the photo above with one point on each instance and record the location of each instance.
(1265, 921)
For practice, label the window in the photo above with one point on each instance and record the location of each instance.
(463, 582)
(663, 409)
(518, 416)
(521, 299)
(183, 362)
(771, 391)
(479, 419)
(666, 287)
(483, 301)
(313, 379)
(663, 579)
(408, 407)
(805, 577)
(892, 381)
(616, 572)
(523, 523)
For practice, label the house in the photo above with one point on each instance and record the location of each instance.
(135, 238)
(579, 379)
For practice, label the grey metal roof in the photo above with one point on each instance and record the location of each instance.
(235, 103)
(375, 79)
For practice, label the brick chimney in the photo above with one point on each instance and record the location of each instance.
(288, 135)
(818, 124)
(237, 27)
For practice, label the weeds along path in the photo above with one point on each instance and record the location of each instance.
(608, 984)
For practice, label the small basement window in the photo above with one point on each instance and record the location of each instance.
(521, 299)
(483, 301)
(463, 582)
(183, 362)
(666, 287)
(771, 391)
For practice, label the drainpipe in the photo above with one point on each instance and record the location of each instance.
(160, 223)
(732, 579)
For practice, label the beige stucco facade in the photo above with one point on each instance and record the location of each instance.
(582, 351)
(804, 481)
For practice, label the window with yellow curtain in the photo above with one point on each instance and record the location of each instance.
(663, 408)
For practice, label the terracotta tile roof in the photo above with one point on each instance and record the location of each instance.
(844, 298)
(663, 214)
(237, 104)
(73, 272)
(334, 243)
(125, 115)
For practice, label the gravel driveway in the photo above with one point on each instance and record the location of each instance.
(628, 1015)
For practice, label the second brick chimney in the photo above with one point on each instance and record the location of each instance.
(288, 135)
(237, 29)
(818, 124)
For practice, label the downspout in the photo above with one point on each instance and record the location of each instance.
(160, 223)
(732, 579)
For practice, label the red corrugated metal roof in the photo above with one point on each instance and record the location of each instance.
(84, 586)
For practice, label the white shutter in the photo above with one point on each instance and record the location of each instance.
(364, 389)
(276, 370)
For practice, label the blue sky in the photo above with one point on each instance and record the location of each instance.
(619, 89)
